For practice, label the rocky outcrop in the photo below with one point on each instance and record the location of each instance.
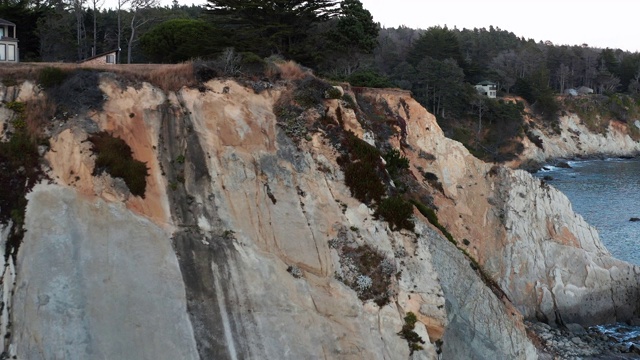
(575, 140)
(567, 267)
(198, 267)
(547, 259)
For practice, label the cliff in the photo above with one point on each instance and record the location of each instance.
(573, 139)
(248, 242)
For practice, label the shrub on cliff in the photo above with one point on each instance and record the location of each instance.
(413, 339)
(365, 270)
(369, 78)
(114, 156)
(361, 165)
(50, 77)
(395, 162)
(397, 212)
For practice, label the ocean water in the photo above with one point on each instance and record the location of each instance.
(607, 194)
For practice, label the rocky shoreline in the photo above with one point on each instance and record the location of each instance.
(575, 342)
(533, 166)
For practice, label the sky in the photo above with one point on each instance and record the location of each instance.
(602, 23)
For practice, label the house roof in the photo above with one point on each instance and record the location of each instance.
(99, 55)
(5, 22)
(486, 82)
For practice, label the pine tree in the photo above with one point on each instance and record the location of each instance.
(270, 26)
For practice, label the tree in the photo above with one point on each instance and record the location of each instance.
(271, 26)
(78, 11)
(480, 104)
(437, 43)
(439, 83)
(96, 5)
(120, 4)
(179, 40)
(562, 74)
(138, 18)
(505, 66)
(354, 35)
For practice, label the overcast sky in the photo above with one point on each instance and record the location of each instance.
(602, 23)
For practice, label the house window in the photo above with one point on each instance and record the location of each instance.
(111, 59)
(3, 52)
(11, 53)
(1, 32)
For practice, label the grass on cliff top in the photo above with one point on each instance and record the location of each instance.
(169, 77)
(114, 156)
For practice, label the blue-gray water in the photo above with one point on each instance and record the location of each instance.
(607, 194)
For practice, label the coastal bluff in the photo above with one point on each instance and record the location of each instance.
(249, 242)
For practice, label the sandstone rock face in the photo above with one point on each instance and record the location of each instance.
(198, 267)
(96, 281)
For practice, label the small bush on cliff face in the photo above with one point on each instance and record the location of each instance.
(369, 78)
(395, 162)
(310, 92)
(396, 212)
(115, 157)
(362, 179)
(51, 77)
(413, 339)
(366, 271)
(361, 165)
(433, 219)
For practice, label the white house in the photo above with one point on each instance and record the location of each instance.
(487, 88)
(8, 42)
(583, 90)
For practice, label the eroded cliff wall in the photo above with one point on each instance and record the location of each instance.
(198, 267)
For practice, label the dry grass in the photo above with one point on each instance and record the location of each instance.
(167, 77)
(290, 70)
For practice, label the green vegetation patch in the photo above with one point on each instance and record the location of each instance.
(596, 111)
(413, 339)
(20, 117)
(50, 77)
(362, 167)
(19, 172)
(114, 157)
(369, 78)
(366, 271)
(397, 212)
(396, 162)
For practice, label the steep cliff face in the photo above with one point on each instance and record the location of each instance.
(242, 243)
(547, 259)
(576, 140)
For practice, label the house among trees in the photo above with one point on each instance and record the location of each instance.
(487, 88)
(583, 90)
(108, 57)
(8, 42)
